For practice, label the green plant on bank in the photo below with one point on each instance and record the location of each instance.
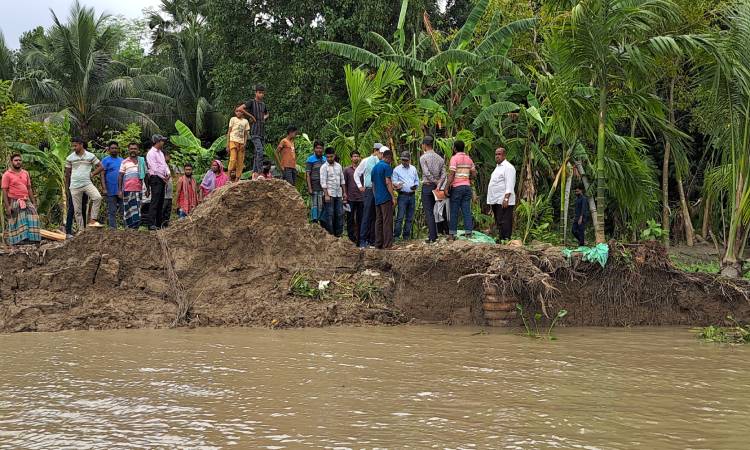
(367, 292)
(711, 267)
(534, 221)
(534, 331)
(735, 334)
(302, 285)
(190, 150)
(653, 231)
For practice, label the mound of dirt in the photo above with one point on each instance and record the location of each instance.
(232, 261)
(248, 257)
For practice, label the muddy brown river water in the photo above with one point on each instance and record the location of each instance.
(415, 387)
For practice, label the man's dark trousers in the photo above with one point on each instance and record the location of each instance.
(156, 210)
(503, 220)
(353, 220)
(384, 225)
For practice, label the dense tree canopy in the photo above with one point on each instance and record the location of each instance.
(643, 101)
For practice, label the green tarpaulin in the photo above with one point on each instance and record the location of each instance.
(476, 237)
(598, 254)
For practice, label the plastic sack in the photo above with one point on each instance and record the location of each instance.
(598, 254)
(476, 237)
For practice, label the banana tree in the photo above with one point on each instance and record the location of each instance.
(191, 150)
(49, 167)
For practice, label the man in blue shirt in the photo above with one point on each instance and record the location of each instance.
(406, 181)
(111, 183)
(384, 200)
(312, 170)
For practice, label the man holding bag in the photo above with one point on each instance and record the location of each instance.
(433, 172)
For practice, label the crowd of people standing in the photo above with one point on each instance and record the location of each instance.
(364, 196)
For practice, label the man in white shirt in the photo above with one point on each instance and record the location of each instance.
(363, 179)
(333, 184)
(501, 194)
(406, 181)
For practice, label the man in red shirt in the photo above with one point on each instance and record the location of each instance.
(18, 198)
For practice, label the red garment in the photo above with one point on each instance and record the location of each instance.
(16, 184)
(187, 194)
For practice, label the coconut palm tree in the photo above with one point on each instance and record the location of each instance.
(69, 73)
(610, 46)
(6, 60)
(726, 77)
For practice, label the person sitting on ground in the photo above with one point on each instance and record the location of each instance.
(501, 194)
(385, 200)
(214, 178)
(18, 198)
(333, 184)
(460, 173)
(406, 181)
(110, 183)
(266, 174)
(80, 166)
(581, 216)
(287, 156)
(188, 194)
(312, 170)
(129, 187)
(237, 134)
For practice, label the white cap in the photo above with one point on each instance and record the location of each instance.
(384, 149)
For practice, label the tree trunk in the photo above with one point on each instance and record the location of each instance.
(706, 217)
(689, 230)
(601, 174)
(665, 223)
(592, 203)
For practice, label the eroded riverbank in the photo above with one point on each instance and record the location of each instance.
(233, 261)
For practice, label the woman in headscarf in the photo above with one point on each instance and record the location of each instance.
(214, 178)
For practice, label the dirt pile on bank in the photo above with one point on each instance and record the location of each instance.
(248, 257)
(232, 260)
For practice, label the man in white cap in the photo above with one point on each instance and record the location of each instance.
(363, 179)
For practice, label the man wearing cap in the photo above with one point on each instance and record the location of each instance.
(433, 174)
(363, 179)
(406, 181)
(385, 200)
(158, 176)
(255, 110)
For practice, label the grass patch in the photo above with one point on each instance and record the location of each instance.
(735, 334)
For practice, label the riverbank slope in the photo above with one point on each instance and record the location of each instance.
(248, 257)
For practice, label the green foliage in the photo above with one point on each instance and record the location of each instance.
(653, 231)
(190, 150)
(532, 326)
(69, 73)
(301, 285)
(534, 221)
(131, 133)
(16, 125)
(735, 334)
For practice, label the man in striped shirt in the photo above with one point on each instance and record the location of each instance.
(257, 113)
(461, 172)
(433, 173)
